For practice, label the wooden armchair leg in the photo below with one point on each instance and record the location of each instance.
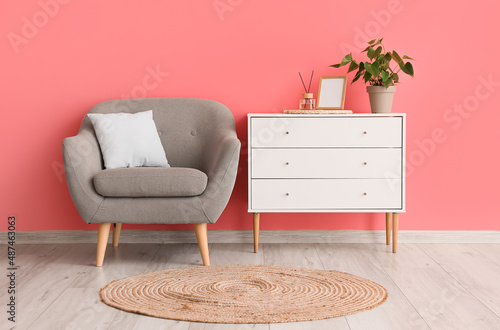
(102, 242)
(201, 236)
(116, 234)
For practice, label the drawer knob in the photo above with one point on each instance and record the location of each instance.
(365, 163)
(287, 132)
(364, 194)
(287, 194)
(364, 132)
(287, 163)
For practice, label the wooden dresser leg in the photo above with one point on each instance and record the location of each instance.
(200, 230)
(395, 224)
(388, 228)
(102, 241)
(256, 223)
(116, 234)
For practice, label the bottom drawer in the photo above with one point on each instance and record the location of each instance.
(317, 194)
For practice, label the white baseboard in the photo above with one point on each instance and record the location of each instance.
(266, 236)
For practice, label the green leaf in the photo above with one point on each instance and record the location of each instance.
(408, 58)
(402, 66)
(367, 76)
(409, 68)
(357, 76)
(388, 83)
(371, 53)
(395, 77)
(378, 51)
(353, 66)
(375, 69)
(360, 72)
(371, 42)
(384, 75)
(368, 67)
(396, 57)
(345, 60)
(388, 57)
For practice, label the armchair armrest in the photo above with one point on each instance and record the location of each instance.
(221, 166)
(82, 161)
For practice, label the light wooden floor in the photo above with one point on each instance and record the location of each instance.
(431, 286)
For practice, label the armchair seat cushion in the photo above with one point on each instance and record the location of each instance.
(150, 182)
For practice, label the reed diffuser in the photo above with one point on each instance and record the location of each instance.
(308, 102)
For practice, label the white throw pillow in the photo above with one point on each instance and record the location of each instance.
(128, 139)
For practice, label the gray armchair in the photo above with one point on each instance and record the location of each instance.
(201, 145)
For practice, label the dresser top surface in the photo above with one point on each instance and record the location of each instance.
(355, 115)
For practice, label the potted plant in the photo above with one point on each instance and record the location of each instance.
(378, 73)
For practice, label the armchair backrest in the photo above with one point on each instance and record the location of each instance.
(185, 126)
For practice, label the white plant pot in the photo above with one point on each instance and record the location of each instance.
(381, 98)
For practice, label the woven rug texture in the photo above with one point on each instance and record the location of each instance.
(244, 294)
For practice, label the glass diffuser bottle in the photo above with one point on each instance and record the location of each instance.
(308, 102)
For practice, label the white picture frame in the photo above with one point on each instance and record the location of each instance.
(331, 93)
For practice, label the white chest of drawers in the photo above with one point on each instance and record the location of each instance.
(327, 163)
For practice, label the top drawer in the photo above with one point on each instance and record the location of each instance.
(326, 132)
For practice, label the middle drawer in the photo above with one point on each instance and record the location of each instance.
(326, 163)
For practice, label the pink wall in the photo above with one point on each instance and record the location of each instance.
(246, 54)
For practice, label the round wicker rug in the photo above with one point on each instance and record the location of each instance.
(244, 294)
